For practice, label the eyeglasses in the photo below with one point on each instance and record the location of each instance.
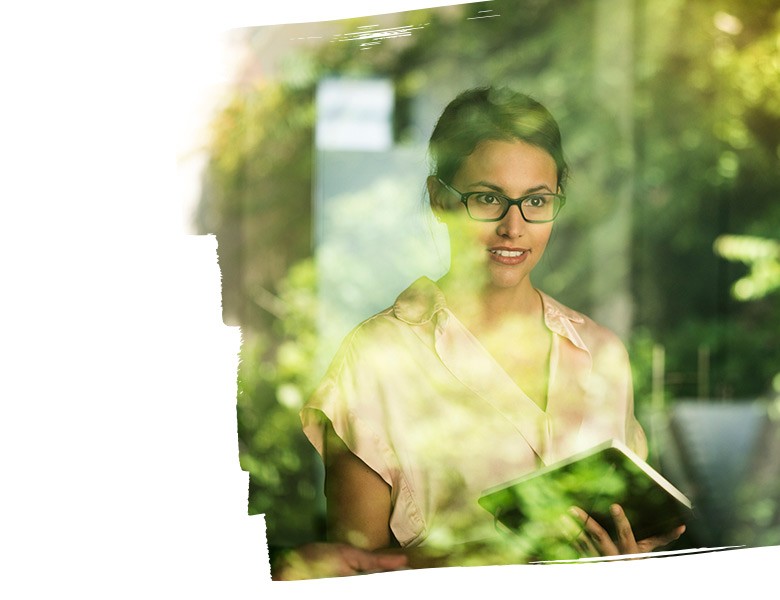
(538, 207)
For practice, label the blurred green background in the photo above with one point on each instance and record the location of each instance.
(670, 114)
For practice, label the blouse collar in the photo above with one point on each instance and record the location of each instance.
(423, 302)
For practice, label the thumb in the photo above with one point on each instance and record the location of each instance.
(659, 541)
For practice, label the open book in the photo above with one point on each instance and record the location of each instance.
(593, 480)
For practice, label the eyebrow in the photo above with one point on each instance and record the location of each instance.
(500, 190)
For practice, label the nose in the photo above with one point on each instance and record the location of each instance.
(512, 225)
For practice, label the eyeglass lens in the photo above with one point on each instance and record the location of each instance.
(539, 207)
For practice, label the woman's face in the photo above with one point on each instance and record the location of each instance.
(505, 251)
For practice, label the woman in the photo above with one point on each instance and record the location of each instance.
(479, 378)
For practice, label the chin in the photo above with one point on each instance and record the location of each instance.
(508, 276)
(505, 280)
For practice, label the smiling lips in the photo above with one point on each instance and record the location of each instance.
(508, 256)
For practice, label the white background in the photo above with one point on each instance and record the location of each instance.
(120, 473)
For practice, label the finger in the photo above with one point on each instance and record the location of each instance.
(573, 532)
(390, 562)
(626, 542)
(364, 561)
(571, 526)
(580, 516)
(658, 541)
(603, 544)
(578, 513)
(577, 534)
(585, 547)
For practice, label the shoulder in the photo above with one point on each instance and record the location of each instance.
(599, 336)
(399, 327)
(582, 330)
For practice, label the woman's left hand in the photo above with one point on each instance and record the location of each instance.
(596, 540)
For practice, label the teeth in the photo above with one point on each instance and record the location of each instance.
(509, 253)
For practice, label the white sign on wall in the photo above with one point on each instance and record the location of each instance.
(354, 114)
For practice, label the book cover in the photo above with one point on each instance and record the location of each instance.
(593, 480)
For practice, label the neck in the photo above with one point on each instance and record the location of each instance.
(490, 305)
(523, 299)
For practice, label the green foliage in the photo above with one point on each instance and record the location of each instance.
(640, 350)
(762, 257)
(709, 166)
(273, 382)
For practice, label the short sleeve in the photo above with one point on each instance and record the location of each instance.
(635, 435)
(615, 390)
(352, 397)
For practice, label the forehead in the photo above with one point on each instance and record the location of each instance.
(508, 163)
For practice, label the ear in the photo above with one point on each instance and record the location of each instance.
(434, 194)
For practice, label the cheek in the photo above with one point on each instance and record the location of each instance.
(468, 233)
(543, 236)
(485, 233)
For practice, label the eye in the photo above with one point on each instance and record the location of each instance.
(536, 201)
(487, 199)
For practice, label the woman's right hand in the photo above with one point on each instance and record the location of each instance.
(330, 559)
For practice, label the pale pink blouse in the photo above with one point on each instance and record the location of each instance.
(414, 395)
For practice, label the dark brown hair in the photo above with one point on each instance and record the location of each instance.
(489, 113)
